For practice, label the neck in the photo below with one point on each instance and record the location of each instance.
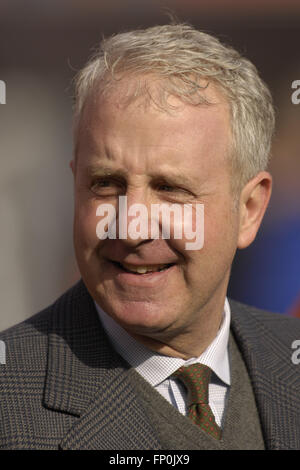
(185, 345)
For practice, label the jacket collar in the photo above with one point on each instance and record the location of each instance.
(266, 350)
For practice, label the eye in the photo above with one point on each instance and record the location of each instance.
(165, 187)
(102, 184)
(171, 189)
(106, 187)
(173, 193)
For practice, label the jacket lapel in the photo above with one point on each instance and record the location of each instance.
(276, 380)
(114, 420)
(88, 379)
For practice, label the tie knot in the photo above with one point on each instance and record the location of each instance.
(196, 379)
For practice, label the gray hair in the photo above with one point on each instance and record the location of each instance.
(181, 57)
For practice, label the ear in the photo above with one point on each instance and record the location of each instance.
(254, 200)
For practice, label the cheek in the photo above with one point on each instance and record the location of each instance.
(187, 228)
(85, 223)
(221, 234)
(201, 231)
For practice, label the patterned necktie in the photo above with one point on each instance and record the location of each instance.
(196, 379)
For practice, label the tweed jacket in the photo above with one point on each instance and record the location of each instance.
(64, 387)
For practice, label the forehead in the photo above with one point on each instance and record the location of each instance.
(143, 126)
(152, 93)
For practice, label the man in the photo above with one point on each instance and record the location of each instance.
(146, 351)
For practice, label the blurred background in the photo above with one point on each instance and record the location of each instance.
(42, 45)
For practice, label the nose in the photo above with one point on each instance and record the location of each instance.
(134, 218)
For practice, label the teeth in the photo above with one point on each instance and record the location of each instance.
(143, 269)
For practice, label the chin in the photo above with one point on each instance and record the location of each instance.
(136, 316)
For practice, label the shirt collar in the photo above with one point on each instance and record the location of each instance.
(155, 367)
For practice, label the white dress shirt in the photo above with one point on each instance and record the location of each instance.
(156, 368)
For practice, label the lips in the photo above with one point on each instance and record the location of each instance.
(144, 269)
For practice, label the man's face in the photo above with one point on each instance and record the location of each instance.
(155, 157)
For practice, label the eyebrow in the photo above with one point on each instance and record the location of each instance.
(95, 170)
(170, 178)
(174, 178)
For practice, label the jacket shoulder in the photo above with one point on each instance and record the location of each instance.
(27, 422)
(284, 327)
(26, 343)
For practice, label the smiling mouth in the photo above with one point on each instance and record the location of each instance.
(142, 270)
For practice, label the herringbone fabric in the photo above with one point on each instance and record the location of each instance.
(64, 387)
(196, 378)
